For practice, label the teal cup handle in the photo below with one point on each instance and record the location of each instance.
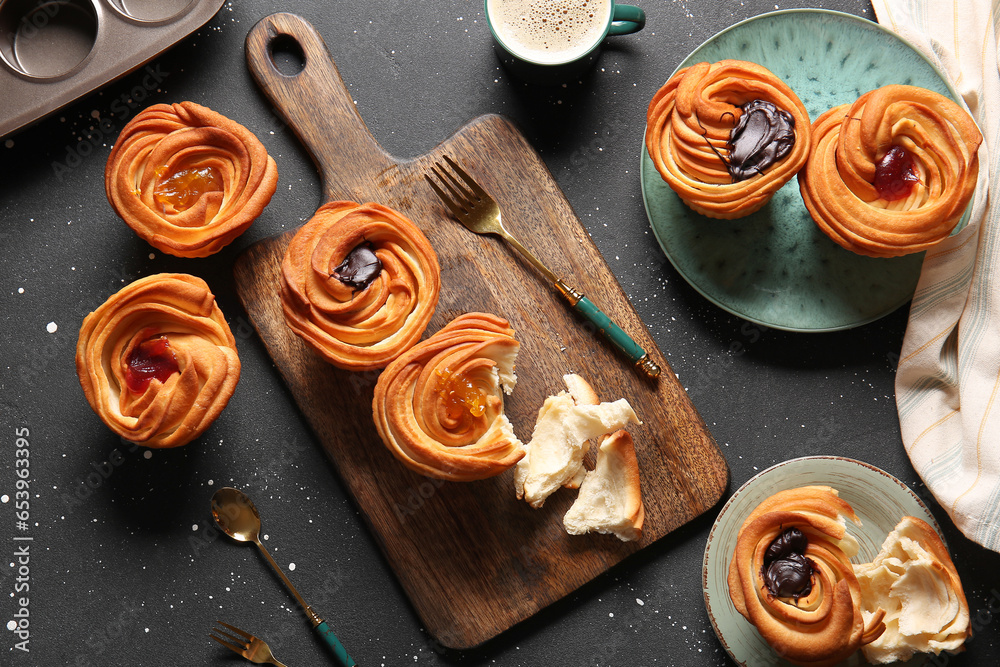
(339, 652)
(627, 19)
(623, 20)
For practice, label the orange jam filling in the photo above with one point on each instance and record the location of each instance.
(182, 188)
(149, 359)
(458, 393)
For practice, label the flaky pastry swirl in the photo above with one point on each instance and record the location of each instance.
(357, 327)
(157, 361)
(826, 625)
(849, 141)
(688, 125)
(188, 180)
(439, 406)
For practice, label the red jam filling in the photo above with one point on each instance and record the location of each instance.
(895, 174)
(149, 359)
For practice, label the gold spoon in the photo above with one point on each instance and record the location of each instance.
(238, 518)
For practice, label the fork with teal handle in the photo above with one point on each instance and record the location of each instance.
(480, 213)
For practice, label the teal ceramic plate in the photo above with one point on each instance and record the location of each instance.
(775, 267)
(879, 499)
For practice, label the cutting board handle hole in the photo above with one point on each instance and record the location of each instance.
(287, 55)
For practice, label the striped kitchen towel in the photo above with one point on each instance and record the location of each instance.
(948, 379)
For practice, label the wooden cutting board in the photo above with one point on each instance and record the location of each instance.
(473, 560)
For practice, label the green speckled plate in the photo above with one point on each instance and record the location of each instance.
(775, 267)
(879, 499)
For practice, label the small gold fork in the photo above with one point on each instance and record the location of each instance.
(245, 644)
(480, 213)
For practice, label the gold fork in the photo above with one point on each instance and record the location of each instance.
(252, 648)
(480, 213)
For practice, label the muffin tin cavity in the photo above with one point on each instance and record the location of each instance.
(53, 52)
(152, 10)
(47, 39)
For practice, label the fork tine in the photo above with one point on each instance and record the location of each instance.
(463, 196)
(471, 182)
(232, 638)
(467, 192)
(243, 633)
(231, 647)
(455, 208)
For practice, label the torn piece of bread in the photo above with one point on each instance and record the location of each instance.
(610, 499)
(566, 421)
(914, 580)
(583, 394)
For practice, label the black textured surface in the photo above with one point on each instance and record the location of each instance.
(125, 566)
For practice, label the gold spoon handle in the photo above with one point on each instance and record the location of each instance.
(310, 614)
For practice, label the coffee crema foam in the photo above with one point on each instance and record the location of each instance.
(550, 31)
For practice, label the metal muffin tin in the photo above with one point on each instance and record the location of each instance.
(53, 52)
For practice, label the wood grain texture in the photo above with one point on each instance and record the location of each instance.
(473, 559)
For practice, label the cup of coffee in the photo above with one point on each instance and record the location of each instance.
(549, 41)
